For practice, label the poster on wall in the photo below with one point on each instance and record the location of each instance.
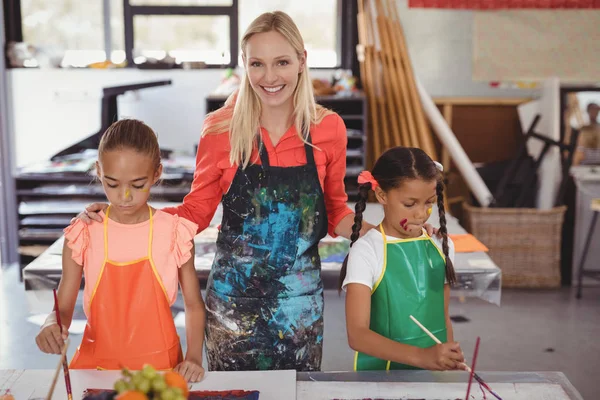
(513, 45)
(503, 4)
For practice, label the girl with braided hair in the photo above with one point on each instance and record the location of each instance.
(398, 270)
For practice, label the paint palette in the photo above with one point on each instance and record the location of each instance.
(102, 394)
(225, 395)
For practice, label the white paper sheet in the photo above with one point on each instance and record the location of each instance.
(34, 384)
(425, 391)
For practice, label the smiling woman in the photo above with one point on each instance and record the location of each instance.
(280, 175)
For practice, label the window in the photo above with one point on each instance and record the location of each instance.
(317, 20)
(72, 32)
(186, 38)
(82, 32)
(180, 2)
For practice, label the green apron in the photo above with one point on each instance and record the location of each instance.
(411, 283)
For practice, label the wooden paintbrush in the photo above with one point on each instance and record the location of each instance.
(477, 377)
(64, 358)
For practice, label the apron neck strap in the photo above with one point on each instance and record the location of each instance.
(383, 234)
(150, 233)
(308, 149)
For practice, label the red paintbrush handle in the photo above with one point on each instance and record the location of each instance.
(473, 367)
(57, 310)
(67, 380)
(65, 363)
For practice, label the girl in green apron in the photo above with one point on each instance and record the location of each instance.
(398, 270)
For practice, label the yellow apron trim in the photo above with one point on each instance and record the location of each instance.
(355, 360)
(387, 366)
(158, 278)
(384, 260)
(159, 370)
(97, 284)
(121, 264)
(160, 281)
(124, 264)
(437, 248)
(426, 237)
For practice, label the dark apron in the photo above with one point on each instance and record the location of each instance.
(264, 294)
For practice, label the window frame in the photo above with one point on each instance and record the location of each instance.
(347, 31)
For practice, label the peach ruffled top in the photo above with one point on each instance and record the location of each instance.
(171, 248)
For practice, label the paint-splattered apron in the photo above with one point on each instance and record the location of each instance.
(411, 283)
(264, 294)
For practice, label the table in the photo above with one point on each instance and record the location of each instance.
(323, 385)
(587, 181)
(477, 274)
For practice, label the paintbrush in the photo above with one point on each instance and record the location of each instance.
(64, 359)
(472, 371)
(477, 377)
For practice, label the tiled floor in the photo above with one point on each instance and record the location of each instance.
(532, 331)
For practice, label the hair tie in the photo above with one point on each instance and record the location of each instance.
(367, 177)
(439, 166)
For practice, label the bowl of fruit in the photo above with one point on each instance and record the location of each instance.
(147, 384)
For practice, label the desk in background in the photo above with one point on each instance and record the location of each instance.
(477, 274)
(587, 183)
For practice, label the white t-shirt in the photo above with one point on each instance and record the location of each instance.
(365, 260)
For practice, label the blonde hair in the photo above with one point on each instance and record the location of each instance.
(241, 112)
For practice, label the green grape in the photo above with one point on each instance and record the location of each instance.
(182, 397)
(168, 394)
(149, 372)
(121, 386)
(177, 391)
(137, 379)
(159, 384)
(143, 386)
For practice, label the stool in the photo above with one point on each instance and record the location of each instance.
(594, 274)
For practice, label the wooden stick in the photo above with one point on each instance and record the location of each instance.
(397, 116)
(65, 363)
(432, 336)
(63, 358)
(421, 123)
(365, 59)
(412, 136)
(378, 85)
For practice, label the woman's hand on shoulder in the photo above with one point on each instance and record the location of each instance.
(431, 230)
(91, 213)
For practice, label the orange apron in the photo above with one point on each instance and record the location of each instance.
(130, 322)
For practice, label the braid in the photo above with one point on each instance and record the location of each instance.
(450, 274)
(361, 204)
